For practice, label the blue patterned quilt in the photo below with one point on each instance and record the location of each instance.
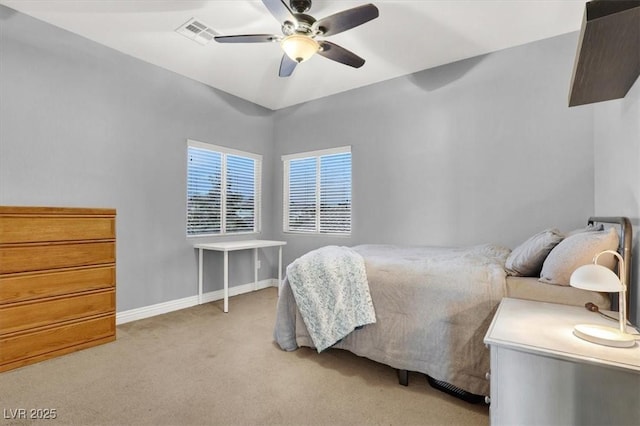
(332, 293)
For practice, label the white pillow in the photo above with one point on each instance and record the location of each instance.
(575, 251)
(526, 260)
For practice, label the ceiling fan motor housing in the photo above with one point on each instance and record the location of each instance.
(304, 25)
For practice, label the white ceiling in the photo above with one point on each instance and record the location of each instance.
(408, 36)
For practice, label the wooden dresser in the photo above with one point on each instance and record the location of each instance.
(57, 282)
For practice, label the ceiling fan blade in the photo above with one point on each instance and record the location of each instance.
(249, 38)
(287, 65)
(346, 19)
(280, 11)
(340, 54)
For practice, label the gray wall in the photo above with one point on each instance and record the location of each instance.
(482, 150)
(84, 125)
(617, 170)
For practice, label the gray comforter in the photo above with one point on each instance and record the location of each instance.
(433, 307)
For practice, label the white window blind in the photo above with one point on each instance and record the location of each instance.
(223, 190)
(317, 192)
(204, 194)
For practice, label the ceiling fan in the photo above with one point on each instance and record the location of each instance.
(301, 30)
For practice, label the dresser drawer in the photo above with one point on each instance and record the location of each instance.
(32, 345)
(17, 229)
(26, 286)
(54, 256)
(26, 315)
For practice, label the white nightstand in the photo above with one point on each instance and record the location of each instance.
(541, 374)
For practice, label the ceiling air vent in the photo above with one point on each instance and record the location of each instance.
(195, 30)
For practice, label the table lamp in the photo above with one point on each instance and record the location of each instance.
(596, 277)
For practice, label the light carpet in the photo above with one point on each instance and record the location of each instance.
(200, 366)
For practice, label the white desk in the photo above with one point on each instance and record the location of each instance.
(228, 246)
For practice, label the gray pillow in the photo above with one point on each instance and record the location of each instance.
(589, 228)
(577, 250)
(526, 260)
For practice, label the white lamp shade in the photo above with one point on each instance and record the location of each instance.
(299, 47)
(595, 278)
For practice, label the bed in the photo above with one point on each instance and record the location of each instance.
(433, 305)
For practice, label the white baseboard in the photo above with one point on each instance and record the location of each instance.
(187, 302)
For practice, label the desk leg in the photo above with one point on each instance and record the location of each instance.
(279, 268)
(255, 269)
(226, 281)
(200, 276)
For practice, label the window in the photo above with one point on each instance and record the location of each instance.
(223, 190)
(317, 192)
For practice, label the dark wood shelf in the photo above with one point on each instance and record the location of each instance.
(608, 58)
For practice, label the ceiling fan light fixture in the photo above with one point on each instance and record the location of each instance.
(299, 47)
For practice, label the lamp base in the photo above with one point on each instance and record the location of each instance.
(603, 335)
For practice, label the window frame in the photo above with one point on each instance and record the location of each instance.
(317, 154)
(224, 152)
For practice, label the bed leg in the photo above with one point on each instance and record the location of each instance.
(403, 377)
